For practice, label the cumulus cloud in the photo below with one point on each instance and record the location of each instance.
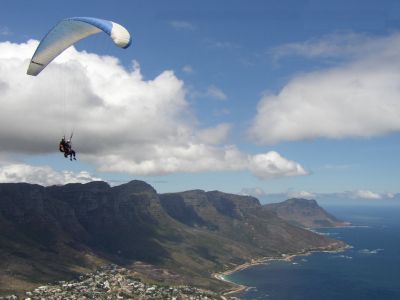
(357, 98)
(43, 175)
(214, 135)
(272, 164)
(203, 158)
(122, 122)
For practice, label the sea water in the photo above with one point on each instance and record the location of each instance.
(368, 270)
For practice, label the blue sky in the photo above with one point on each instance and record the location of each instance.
(285, 97)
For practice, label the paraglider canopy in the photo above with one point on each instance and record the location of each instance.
(69, 31)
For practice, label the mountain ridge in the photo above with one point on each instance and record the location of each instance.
(57, 232)
(305, 213)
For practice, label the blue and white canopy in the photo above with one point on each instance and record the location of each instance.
(69, 31)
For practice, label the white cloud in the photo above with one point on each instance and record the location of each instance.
(301, 194)
(182, 25)
(369, 195)
(358, 98)
(364, 194)
(256, 192)
(390, 195)
(214, 135)
(203, 158)
(216, 93)
(355, 195)
(122, 122)
(272, 164)
(358, 196)
(43, 175)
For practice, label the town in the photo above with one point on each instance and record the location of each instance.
(114, 282)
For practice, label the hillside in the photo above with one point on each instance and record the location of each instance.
(54, 233)
(304, 213)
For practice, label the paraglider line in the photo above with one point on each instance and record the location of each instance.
(36, 63)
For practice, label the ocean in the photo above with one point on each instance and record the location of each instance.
(368, 270)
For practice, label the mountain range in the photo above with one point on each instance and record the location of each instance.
(58, 232)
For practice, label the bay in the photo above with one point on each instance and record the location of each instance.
(368, 270)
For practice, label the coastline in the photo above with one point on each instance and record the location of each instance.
(265, 260)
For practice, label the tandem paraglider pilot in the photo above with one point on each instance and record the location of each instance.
(66, 147)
